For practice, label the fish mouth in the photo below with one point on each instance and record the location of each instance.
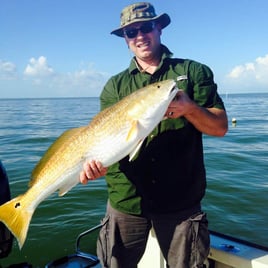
(174, 90)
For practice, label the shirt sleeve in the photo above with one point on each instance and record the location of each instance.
(109, 94)
(204, 88)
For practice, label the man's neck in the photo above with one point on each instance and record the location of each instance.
(148, 66)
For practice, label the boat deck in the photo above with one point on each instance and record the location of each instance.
(225, 252)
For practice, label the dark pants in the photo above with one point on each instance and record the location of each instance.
(183, 238)
(6, 238)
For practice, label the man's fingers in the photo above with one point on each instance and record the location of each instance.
(83, 177)
(91, 171)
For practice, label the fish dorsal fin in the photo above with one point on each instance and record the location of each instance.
(133, 132)
(60, 143)
(135, 151)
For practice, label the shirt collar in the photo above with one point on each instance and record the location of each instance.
(133, 67)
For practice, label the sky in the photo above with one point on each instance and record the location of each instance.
(63, 48)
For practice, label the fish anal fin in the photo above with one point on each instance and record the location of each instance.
(66, 188)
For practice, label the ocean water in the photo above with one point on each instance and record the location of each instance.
(237, 174)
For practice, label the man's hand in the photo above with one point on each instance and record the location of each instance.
(180, 105)
(211, 121)
(91, 171)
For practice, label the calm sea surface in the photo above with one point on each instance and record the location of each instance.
(237, 174)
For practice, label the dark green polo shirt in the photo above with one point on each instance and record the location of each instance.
(168, 174)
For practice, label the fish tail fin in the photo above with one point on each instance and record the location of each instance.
(16, 218)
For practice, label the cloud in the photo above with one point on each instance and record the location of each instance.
(83, 82)
(38, 68)
(8, 70)
(251, 75)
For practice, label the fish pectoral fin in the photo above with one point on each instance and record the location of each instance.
(133, 132)
(135, 151)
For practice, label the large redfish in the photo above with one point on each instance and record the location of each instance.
(114, 133)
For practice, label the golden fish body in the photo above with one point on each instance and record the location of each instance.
(112, 134)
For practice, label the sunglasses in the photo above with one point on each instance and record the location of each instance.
(145, 28)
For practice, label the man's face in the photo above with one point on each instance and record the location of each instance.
(143, 38)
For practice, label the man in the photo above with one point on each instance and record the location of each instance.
(163, 187)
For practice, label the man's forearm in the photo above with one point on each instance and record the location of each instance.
(211, 121)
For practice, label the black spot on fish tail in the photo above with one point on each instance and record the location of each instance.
(17, 205)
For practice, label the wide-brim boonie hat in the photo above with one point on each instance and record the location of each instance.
(139, 12)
